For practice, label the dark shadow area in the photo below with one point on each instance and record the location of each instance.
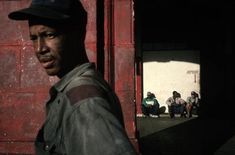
(206, 26)
(192, 137)
(192, 56)
(100, 36)
(167, 25)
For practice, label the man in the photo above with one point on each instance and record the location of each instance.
(150, 105)
(176, 105)
(83, 114)
(192, 103)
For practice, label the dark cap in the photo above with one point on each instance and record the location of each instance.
(58, 10)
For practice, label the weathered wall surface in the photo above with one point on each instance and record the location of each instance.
(119, 57)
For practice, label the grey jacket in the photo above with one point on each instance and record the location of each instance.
(83, 118)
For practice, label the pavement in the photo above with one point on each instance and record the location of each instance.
(186, 136)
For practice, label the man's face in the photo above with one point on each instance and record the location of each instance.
(49, 45)
(193, 95)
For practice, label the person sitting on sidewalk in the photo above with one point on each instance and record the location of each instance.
(192, 103)
(150, 106)
(176, 105)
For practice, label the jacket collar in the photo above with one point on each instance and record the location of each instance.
(65, 80)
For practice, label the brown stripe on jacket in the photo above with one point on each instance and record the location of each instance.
(82, 92)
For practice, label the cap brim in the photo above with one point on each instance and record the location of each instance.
(37, 11)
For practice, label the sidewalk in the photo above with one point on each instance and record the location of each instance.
(228, 148)
(185, 136)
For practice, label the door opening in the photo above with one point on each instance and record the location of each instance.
(171, 70)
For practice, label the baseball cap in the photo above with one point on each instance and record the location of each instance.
(58, 10)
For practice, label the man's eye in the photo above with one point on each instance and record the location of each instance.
(33, 38)
(50, 35)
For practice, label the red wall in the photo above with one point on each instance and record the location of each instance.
(24, 84)
(119, 57)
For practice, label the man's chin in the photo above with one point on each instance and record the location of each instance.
(51, 72)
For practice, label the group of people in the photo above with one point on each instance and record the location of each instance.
(176, 105)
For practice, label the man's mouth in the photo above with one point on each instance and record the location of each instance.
(46, 62)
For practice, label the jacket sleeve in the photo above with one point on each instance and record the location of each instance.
(169, 101)
(144, 102)
(156, 103)
(93, 129)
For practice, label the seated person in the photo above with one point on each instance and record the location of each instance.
(176, 105)
(150, 106)
(192, 103)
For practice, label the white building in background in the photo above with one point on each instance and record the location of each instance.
(166, 71)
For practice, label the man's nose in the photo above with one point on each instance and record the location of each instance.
(41, 46)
